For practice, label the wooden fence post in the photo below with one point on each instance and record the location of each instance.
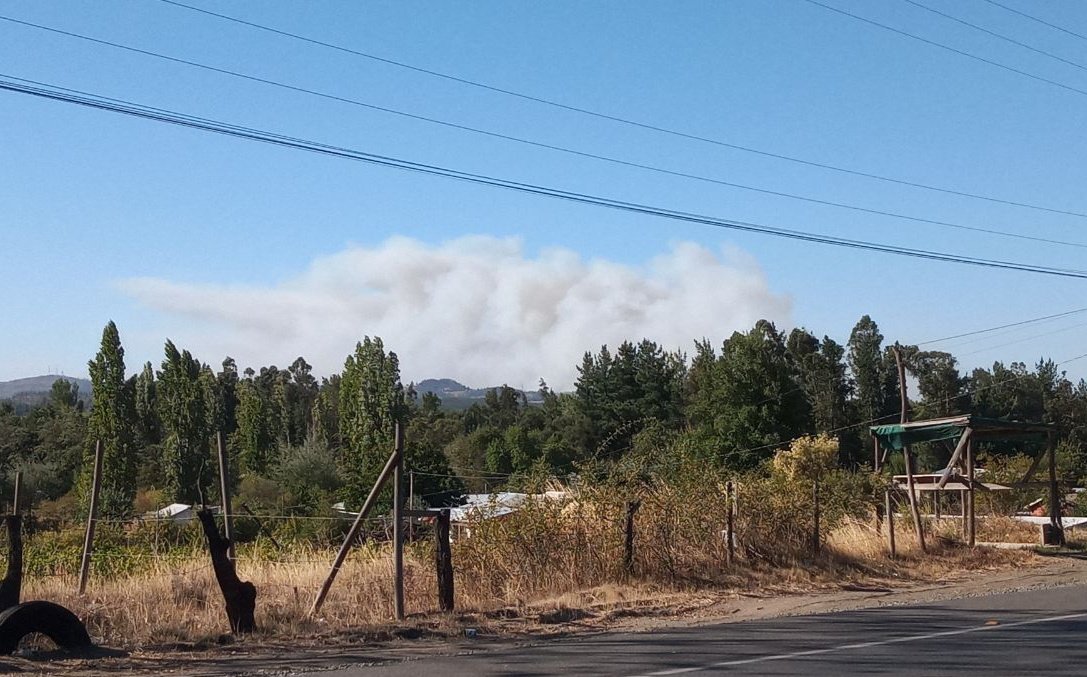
(890, 523)
(443, 560)
(628, 536)
(353, 532)
(92, 517)
(224, 493)
(730, 522)
(915, 510)
(815, 538)
(398, 522)
(16, 498)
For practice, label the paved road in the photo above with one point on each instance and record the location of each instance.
(1009, 634)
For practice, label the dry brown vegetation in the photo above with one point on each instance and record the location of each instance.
(551, 562)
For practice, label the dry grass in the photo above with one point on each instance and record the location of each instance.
(547, 565)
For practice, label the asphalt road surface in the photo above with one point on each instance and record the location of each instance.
(1035, 632)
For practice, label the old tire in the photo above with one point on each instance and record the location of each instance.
(51, 620)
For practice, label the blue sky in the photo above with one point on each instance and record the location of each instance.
(226, 245)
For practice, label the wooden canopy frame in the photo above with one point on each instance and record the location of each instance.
(968, 429)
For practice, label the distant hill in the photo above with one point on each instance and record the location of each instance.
(34, 390)
(456, 395)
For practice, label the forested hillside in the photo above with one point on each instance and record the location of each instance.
(299, 443)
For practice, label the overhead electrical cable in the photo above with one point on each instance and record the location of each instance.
(948, 48)
(1025, 16)
(999, 36)
(553, 147)
(623, 120)
(1023, 339)
(1005, 326)
(42, 90)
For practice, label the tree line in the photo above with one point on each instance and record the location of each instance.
(298, 444)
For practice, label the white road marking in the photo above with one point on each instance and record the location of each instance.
(861, 645)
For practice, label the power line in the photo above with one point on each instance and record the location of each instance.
(1025, 338)
(160, 115)
(548, 146)
(1005, 326)
(948, 48)
(1000, 36)
(1025, 16)
(621, 120)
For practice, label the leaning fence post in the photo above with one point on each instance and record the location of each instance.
(92, 517)
(16, 504)
(353, 532)
(443, 560)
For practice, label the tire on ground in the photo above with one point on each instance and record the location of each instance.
(47, 618)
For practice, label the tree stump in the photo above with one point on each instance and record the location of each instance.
(240, 596)
(11, 585)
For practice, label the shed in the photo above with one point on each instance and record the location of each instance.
(967, 429)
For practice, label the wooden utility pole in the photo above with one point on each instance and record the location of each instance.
(92, 518)
(398, 522)
(224, 494)
(353, 532)
(904, 418)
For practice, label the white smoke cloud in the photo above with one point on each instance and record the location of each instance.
(476, 309)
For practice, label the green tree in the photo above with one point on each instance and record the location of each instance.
(112, 422)
(64, 394)
(371, 401)
(619, 394)
(187, 410)
(748, 400)
(255, 437)
(875, 378)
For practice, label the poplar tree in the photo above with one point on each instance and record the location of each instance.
(371, 401)
(187, 409)
(112, 421)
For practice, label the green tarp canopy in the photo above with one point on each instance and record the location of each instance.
(898, 435)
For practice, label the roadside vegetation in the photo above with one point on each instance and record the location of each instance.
(644, 452)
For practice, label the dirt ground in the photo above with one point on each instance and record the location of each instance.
(421, 636)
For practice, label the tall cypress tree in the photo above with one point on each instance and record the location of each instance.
(112, 421)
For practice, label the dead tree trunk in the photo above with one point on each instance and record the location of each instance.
(444, 561)
(12, 584)
(240, 596)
